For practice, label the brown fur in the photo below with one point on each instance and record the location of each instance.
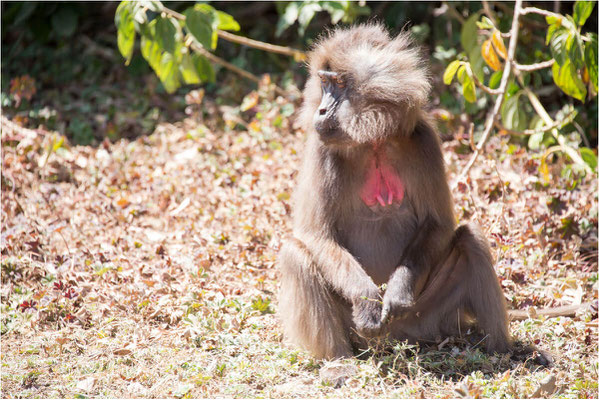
(439, 278)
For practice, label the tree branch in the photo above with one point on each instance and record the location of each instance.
(556, 125)
(454, 13)
(485, 88)
(563, 311)
(540, 110)
(272, 48)
(502, 88)
(534, 67)
(534, 10)
(234, 68)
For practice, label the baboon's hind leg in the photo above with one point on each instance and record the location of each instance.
(465, 283)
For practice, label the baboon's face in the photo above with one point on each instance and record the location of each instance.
(334, 105)
(364, 87)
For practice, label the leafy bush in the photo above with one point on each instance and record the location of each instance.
(174, 44)
(572, 57)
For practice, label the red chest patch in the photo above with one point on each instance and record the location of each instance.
(382, 184)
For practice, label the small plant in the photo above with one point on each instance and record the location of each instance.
(179, 46)
(262, 305)
(572, 57)
(302, 12)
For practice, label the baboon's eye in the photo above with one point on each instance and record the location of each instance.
(340, 82)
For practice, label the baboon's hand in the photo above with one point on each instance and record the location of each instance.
(366, 314)
(395, 308)
(398, 300)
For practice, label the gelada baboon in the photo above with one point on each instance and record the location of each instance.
(373, 207)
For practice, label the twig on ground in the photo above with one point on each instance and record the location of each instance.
(562, 311)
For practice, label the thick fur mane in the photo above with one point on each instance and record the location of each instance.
(387, 76)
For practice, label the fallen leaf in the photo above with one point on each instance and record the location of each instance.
(87, 384)
(547, 386)
(122, 352)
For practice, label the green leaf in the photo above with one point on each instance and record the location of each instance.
(557, 45)
(204, 68)
(582, 10)
(512, 115)
(574, 47)
(469, 89)
(461, 73)
(469, 33)
(196, 69)
(188, 70)
(477, 62)
(590, 58)
(336, 10)
(168, 73)
(512, 88)
(553, 19)
(589, 157)
(450, 71)
(226, 22)
(288, 18)
(150, 50)
(165, 34)
(199, 21)
(566, 77)
(125, 30)
(306, 13)
(485, 23)
(64, 22)
(535, 140)
(551, 29)
(495, 79)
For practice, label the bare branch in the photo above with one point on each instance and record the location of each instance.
(534, 67)
(540, 110)
(484, 88)
(501, 95)
(234, 68)
(556, 125)
(173, 13)
(489, 12)
(563, 311)
(272, 48)
(454, 13)
(534, 10)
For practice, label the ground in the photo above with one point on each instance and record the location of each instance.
(147, 268)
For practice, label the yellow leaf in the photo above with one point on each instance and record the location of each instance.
(585, 75)
(498, 43)
(250, 101)
(544, 170)
(254, 125)
(489, 55)
(123, 202)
